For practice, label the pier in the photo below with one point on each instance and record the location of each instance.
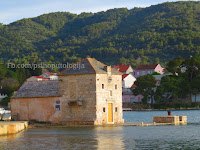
(12, 127)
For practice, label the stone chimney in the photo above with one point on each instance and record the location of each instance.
(108, 69)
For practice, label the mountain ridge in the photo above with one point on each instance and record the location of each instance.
(154, 34)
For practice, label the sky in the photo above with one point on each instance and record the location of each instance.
(13, 10)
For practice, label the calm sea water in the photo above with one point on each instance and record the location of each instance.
(118, 137)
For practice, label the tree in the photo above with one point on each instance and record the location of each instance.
(123, 61)
(171, 88)
(3, 71)
(157, 60)
(192, 67)
(8, 86)
(156, 73)
(174, 66)
(145, 85)
(194, 86)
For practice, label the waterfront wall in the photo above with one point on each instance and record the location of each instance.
(170, 119)
(12, 127)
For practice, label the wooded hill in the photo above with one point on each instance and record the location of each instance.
(157, 33)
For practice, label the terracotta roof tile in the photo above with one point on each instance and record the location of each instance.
(52, 74)
(133, 86)
(143, 67)
(122, 68)
(124, 76)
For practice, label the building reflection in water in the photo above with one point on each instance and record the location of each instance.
(107, 137)
(110, 137)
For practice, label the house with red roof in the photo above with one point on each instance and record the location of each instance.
(128, 80)
(125, 69)
(51, 76)
(127, 95)
(148, 69)
(37, 78)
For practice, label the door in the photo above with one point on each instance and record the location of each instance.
(110, 112)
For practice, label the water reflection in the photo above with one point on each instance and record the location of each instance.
(110, 137)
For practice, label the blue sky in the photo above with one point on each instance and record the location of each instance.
(13, 10)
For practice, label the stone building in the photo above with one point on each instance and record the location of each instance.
(87, 93)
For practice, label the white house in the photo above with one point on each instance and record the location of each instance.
(128, 80)
(51, 76)
(2, 96)
(37, 78)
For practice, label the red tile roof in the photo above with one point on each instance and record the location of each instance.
(133, 86)
(122, 68)
(52, 74)
(40, 77)
(150, 66)
(124, 76)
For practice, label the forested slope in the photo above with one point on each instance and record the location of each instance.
(154, 34)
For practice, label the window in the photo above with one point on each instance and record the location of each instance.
(132, 100)
(104, 109)
(138, 99)
(126, 99)
(143, 72)
(110, 93)
(115, 109)
(115, 86)
(57, 107)
(149, 72)
(102, 86)
(138, 73)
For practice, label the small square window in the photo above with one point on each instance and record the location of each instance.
(57, 107)
(102, 86)
(115, 109)
(115, 86)
(104, 109)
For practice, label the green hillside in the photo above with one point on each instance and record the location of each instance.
(157, 33)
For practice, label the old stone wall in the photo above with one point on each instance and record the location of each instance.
(78, 98)
(109, 90)
(37, 109)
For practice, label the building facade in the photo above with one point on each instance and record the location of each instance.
(128, 96)
(88, 93)
(148, 69)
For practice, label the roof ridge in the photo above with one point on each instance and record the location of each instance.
(116, 70)
(99, 61)
(41, 81)
(71, 66)
(90, 64)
